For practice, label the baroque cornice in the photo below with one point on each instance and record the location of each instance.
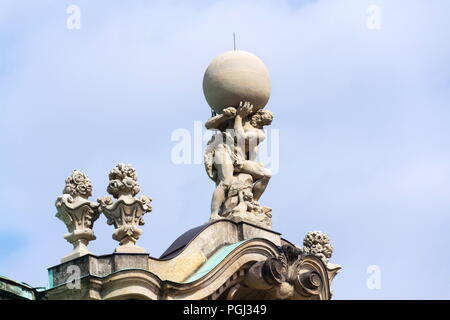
(232, 269)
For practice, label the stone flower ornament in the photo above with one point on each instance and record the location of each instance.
(78, 213)
(318, 244)
(126, 214)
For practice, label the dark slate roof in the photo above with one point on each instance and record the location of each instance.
(182, 241)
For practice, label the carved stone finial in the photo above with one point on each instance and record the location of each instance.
(77, 213)
(126, 214)
(318, 243)
(123, 181)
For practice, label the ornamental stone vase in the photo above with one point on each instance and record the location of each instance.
(126, 213)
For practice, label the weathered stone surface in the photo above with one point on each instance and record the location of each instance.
(215, 236)
(126, 214)
(236, 76)
(237, 86)
(13, 290)
(253, 231)
(102, 266)
(255, 269)
(236, 255)
(177, 269)
(231, 162)
(318, 243)
(78, 213)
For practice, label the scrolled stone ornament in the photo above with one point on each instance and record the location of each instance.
(127, 213)
(274, 271)
(77, 213)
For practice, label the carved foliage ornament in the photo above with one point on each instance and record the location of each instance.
(77, 213)
(78, 184)
(126, 214)
(123, 181)
(318, 243)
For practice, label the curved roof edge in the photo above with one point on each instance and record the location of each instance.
(187, 237)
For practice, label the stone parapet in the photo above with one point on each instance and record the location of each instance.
(220, 260)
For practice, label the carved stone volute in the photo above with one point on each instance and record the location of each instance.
(290, 275)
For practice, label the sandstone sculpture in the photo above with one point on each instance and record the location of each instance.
(231, 154)
(318, 243)
(126, 214)
(236, 76)
(77, 213)
(236, 256)
(230, 161)
(291, 275)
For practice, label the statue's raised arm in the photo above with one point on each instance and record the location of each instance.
(221, 121)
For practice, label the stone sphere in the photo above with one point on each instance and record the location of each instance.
(236, 76)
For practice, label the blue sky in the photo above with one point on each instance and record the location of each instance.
(362, 114)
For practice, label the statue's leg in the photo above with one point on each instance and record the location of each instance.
(260, 174)
(224, 166)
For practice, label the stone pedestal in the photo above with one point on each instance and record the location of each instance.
(95, 266)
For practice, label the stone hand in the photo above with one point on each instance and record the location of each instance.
(229, 112)
(245, 108)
